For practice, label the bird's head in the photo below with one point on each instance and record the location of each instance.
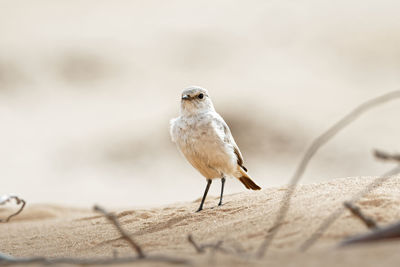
(195, 100)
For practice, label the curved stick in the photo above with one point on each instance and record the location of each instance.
(7, 198)
(311, 151)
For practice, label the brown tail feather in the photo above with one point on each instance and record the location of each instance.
(246, 180)
(248, 183)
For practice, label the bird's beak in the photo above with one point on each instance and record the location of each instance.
(185, 97)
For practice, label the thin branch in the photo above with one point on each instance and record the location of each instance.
(5, 257)
(213, 246)
(111, 217)
(7, 198)
(198, 248)
(388, 232)
(9, 260)
(311, 151)
(141, 257)
(379, 154)
(356, 211)
(336, 214)
(217, 247)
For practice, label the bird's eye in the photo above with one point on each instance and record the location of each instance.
(200, 96)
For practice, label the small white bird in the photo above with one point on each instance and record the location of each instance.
(204, 138)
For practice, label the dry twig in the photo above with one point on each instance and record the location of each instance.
(111, 217)
(311, 151)
(389, 232)
(213, 246)
(6, 260)
(10, 260)
(336, 214)
(356, 211)
(236, 250)
(7, 198)
(386, 156)
(198, 248)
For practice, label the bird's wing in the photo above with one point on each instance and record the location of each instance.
(227, 137)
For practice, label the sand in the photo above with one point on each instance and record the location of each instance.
(241, 223)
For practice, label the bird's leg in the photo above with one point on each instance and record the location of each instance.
(205, 194)
(222, 190)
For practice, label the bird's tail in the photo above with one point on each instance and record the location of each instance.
(246, 180)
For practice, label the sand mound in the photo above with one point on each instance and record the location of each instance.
(241, 223)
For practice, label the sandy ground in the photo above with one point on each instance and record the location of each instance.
(241, 223)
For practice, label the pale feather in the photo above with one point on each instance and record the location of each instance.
(206, 142)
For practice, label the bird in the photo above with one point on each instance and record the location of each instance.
(205, 140)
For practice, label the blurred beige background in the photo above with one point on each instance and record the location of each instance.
(87, 89)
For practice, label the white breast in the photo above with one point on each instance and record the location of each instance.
(201, 141)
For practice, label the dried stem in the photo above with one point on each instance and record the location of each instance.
(311, 151)
(111, 217)
(7, 198)
(386, 156)
(195, 245)
(336, 214)
(201, 248)
(356, 211)
(388, 232)
(10, 260)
